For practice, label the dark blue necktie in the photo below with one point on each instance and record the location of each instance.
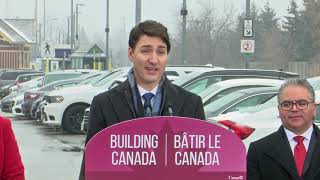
(147, 104)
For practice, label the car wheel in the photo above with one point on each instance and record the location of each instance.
(73, 117)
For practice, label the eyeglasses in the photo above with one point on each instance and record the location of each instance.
(300, 104)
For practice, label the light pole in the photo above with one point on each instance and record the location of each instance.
(184, 13)
(246, 59)
(52, 37)
(107, 36)
(138, 11)
(44, 20)
(77, 20)
(72, 28)
(247, 8)
(36, 28)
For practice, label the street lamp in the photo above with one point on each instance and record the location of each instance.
(138, 11)
(184, 13)
(72, 27)
(77, 20)
(44, 20)
(107, 36)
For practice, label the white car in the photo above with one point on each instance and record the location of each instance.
(255, 123)
(12, 104)
(27, 85)
(175, 72)
(223, 88)
(64, 107)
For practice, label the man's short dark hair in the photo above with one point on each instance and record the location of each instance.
(149, 28)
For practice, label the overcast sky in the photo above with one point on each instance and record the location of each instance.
(122, 12)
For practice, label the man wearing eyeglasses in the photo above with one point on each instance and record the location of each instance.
(293, 152)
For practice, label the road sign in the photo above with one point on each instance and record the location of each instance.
(247, 23)
(247, 33)
(247, 46)
(247, 28)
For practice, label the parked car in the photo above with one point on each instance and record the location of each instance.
(64, 108)
(223, 88)
(7, 89)
(27, 84)
(256, 122)
(59, 75)
(16, 99)
(31, 96)
(198, 81)
(9, 76)
(12, 104)
(177, 71)
(27, 77)
(240, 100)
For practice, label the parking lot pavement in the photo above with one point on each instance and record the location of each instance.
(47, 153)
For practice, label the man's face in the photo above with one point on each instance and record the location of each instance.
(149, 59)
(297, 120)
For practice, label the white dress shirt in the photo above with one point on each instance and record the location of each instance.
(307, 137)
(143, 91)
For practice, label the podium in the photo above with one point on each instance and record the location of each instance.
(165, 148)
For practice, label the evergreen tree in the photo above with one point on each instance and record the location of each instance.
(293, 32)
(267, 18)
(311, 33)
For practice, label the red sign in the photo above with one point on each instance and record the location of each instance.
(247, 46)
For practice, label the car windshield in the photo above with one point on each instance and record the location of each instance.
(220, 102)
(91, 79)
(273, 102)
(109, 79)
(185, 78)
(209, 90)
(10, 75)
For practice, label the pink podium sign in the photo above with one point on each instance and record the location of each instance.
(165, 148)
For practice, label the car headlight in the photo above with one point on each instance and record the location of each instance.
(56, 99)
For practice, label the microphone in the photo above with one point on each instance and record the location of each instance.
(170, 109)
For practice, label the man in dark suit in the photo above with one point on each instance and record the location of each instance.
(147, 91)
(293, 152)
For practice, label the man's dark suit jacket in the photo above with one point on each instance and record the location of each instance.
(117, 105)
(271, 158)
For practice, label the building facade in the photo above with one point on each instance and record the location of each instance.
(17, 41)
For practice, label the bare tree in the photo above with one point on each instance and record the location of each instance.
(207, 34)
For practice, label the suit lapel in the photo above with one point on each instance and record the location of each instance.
(281, 152)
(314, 164)
(170, 97)
(311, 147)
(123, 95)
